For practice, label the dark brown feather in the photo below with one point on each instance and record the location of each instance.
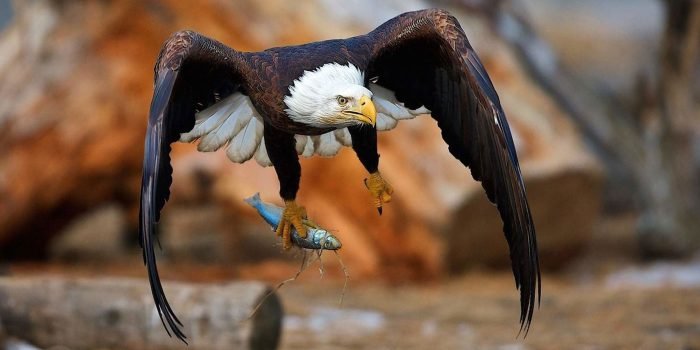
(426, 59)
(190, 72)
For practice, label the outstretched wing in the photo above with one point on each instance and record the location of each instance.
(191, 74)
(425, 59)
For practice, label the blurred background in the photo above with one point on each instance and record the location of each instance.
(603, 98)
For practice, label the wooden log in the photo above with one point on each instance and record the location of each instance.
(120, 314)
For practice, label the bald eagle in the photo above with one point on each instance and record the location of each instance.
(278, 104)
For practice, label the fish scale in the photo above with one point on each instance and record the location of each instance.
(317, 238)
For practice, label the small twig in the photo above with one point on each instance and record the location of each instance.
(320, 263)
(303, 267)
(347, 278)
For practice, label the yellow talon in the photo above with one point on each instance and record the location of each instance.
(293, 217)
(380, 189)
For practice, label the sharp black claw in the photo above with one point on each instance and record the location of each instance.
(379, 209)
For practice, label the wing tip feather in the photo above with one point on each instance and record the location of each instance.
(150, 204)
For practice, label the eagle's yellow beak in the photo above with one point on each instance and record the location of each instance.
(364, 111)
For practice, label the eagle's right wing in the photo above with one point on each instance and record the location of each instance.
(192, 73)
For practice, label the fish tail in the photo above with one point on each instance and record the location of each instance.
(254, 200)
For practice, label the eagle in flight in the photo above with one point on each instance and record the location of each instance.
(278, 104)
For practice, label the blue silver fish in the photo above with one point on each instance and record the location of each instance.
(317, 237)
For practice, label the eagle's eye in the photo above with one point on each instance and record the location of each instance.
(342, 100)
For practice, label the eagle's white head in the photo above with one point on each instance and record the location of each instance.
(333, 95)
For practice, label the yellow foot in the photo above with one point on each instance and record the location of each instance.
(380, 189)
(293, 216)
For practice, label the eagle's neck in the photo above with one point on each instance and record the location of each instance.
(309, 96)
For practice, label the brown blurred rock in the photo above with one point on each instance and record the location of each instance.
(207, 233)
(98, 235)
(563, 180)
(72, 129)
(564, 223)
(195, 234)
(119, 314)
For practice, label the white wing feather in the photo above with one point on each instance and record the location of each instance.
(224, 133)
(261, 154)
(343, 136)
(389, 109)
(240, 115)
(246, 142)
(328, 146)
(385, 122)
(309, 148)
(300, 143)
(212, 117)
(235, 121)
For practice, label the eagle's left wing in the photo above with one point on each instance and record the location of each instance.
(423, 59)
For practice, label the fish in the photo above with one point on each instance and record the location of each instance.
(317, 238)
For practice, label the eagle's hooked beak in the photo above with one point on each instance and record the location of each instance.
(364, 111)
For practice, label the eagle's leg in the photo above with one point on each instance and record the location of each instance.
(292, 218)
(380, 189)
(281, 149)
(364, 142)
